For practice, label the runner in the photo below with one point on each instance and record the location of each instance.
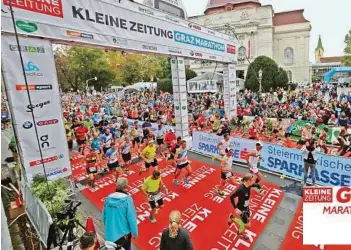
(181, 157)
(81, 134)
(241, 208)
(92, 159)
(172, 151)
(159, 133)
(253, 160)
(148, 155)
(136, 133)
(152, 188)
(227, 173)
(112, 160)
(107, 139)
(125, 148)
(222, 145)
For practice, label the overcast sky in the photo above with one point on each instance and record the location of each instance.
(330, 19)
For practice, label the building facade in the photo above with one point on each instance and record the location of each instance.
(284, 36)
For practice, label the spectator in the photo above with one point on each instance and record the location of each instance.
(174, 237)
(86, 241)
(309, 152)
(119, 216)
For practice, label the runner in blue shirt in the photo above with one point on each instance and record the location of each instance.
(160, 133)
(112, 160)
(107, 140)
(125, 149)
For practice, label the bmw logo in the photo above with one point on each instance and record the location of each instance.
(27, 125)
(192, 53)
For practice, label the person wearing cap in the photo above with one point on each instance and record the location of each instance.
(227, 173)
(148, 155)
(242, 213)
(152, 188)
(119, 216)
(253, 160)
(181, 158)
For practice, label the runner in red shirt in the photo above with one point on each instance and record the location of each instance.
(81, 134)
(91, 159)
(170, 138)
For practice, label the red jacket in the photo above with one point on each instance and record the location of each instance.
(169, 137)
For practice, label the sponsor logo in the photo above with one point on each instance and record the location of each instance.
(45, 143)
(79, 34)
(47, 122)
(149, 47)
(25, 48)
(56, 171)
(27, 125)
(192, 53)
(34, 87)
(47, 7)
(185, 38)
(45, 160)
(32, 69)
(30, 108)
(120, 41)
(26, 26)
(211, 32)
(194, 26)
(146, 11)
(231, 49)
(174, 51)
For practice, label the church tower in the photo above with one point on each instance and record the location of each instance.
(319, 51)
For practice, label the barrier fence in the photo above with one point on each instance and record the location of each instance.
(330, 170)
(37, 213)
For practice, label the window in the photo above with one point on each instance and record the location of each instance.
(289, 75)
(241, 53)
(288, 56)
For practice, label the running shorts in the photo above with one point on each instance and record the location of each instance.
(81, 142)
(226, 175)
(113, 166)
(183, 165)
(245, 215)
(126, 157)
(92, 170)
(159, 142)
(149, 164)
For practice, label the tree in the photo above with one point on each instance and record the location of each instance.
(75, 65)
(189, 74)
(347, 57)
(165, 85)
(272, 76)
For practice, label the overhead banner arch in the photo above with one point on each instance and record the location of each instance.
(119, 25)
(329, 75)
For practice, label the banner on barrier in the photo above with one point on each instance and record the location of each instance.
(330, 170)
(154, 126)
(43, 88)
(206, 143)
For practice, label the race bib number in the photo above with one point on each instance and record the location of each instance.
(92, 169)
(228, 174)
(156, 197)
(246, 204)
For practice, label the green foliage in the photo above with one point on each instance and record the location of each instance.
(52, 197)
(270, 124)
(165, 85)
(272, 76)
(347, 49)
(189, 74)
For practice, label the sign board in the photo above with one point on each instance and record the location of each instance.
(120, 24)
(45, 98)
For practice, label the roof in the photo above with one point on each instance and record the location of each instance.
(319, 45)
(331, 59)
(289, 17)
(221, 3)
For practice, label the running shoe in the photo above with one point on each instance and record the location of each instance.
(157, 210)
(242, 235)
(152, 219)
(220, 192)
(230, 219)
(175, 182)
(186, 180)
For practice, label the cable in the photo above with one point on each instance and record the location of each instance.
(30, 101)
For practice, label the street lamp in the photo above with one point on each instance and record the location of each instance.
(260, 80)
(86, 83)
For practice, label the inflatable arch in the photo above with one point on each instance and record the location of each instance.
(329, 75)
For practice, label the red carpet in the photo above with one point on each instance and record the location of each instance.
(204, 212)
(294, 241)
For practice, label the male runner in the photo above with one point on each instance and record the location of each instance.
(253, 160)
(172, 151)
(112, 160)
(137, 133)
(81, 134)
(222, 145)
(91, 159)
(149, 157)
(107, 140)
(125, 148)
(159, 133)
(241, 208)
(152, 188)
(181, 158)
(227, 173)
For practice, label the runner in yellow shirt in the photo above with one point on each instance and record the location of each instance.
(149, 156)
(152, 188)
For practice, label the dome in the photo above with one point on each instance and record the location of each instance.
(221, 3)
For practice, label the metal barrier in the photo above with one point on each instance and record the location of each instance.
(37, 213)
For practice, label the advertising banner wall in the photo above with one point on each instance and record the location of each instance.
(206, 143)
(153, 125)
(330, 170)
(120, 24)
(44, 94)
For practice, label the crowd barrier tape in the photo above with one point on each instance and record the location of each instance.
(330, 170)
(206, 143)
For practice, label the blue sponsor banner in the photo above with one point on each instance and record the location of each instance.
(330, 170)
(206, 143)
(181, 37)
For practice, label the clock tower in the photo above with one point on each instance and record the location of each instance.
(319, 51)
